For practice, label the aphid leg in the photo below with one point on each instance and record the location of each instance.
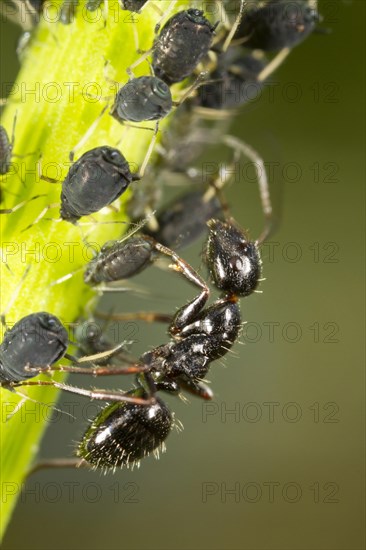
(273, 64)
(148, 153)
(146, 54)
(200, 80)
(165, 15)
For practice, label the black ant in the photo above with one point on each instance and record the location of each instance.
(122, 433)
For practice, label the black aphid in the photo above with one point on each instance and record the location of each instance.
(278, 24)
(143, 98)
(95, 180)
(37, 340)
(181, 44)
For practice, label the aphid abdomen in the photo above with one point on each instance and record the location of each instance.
(120, 260)
(94, 181)
(183, 41)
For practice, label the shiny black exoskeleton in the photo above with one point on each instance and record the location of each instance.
(182, 43)
(278, 24)
(235, 264)
(37, 340)
(95, 180)
(233, 82)
(124, 433)
(199, 336)
(132, 5)
(6, 150)
(143, 98)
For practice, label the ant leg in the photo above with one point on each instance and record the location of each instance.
(57, 463)
(99, 395)
(147, 316)
(25, 399)
(188, 312)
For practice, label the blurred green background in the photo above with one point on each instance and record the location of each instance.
(277, 461)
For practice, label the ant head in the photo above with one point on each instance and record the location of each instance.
(233, 261)
(37, 340)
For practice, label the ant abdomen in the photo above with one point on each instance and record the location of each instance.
(37, 340)
(233, 261)
(122, 434)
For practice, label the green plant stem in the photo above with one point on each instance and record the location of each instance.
(53, 98)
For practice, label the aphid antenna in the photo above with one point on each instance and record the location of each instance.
(21, 204)
(87, 134)
(14, 296)
(234, 27)
(262, 179)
